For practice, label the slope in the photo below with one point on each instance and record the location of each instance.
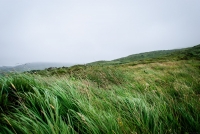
(158, 95)
(175, 54)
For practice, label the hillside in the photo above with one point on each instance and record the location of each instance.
(156, 94)
(175, 54)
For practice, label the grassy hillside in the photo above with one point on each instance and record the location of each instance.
(158, 95)
(176, 54)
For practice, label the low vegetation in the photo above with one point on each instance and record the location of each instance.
(156, 95)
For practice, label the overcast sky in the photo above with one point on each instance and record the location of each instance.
(82, 31)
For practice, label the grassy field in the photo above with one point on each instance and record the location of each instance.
(159, 96)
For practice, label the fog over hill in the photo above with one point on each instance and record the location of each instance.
(32, 66)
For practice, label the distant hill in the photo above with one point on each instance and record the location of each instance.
(184, 53)
(32, 66)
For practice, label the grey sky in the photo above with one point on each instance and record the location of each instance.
(81, 31)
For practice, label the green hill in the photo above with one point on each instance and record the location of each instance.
(146, 56)
(157, 93)
(176, 54)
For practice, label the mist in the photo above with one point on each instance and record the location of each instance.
(86, 31)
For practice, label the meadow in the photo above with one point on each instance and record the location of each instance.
(150, 96)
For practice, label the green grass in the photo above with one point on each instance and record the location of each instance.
(147, 97)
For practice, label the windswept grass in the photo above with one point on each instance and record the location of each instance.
(145, 98)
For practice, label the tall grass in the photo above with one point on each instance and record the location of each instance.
(153, 98)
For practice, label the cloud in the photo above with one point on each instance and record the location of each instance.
(84, 31)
